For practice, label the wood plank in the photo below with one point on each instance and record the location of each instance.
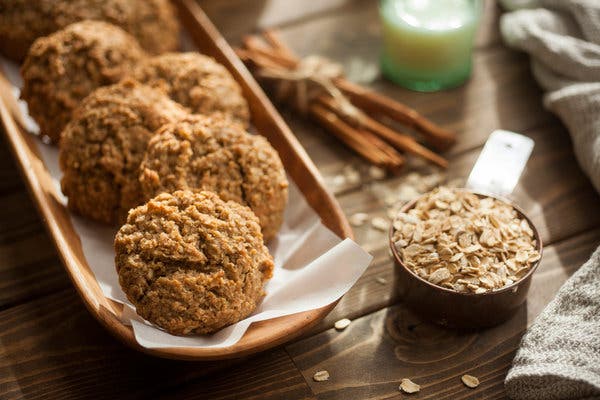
(51, 348)
(501, 93)
(368, 359)
(270, 376)
(10, 179)
(29, 265)
(235, 18)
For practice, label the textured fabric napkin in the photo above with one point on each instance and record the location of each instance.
(559, 356)
(563, 39)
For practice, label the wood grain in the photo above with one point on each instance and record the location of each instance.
(52, 348)
(236, 18)
(10, 179)
(29, 265)
(368, 359)
(269, 376)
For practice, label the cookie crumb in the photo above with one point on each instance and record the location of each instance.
(321, 376)
(380, 280)
(342, 324)
(470, 381)
(408, 386)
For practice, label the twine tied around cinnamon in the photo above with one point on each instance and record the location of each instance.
(312, 77)
(316, 86)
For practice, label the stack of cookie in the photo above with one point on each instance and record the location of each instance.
(158, 143)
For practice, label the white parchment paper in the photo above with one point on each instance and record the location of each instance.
(313, 267)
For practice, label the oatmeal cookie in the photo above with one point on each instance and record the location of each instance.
(102, 147)
(191, 262)
(152, 22)
(211, 153)
(197, 82)
(63, 68)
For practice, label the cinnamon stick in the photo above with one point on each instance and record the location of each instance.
(359, 143)
(373, 140)
(272, 37)
(373, 102)
(398, 140)
(259, 60)
(280, 59)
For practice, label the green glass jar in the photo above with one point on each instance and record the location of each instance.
(428, 44)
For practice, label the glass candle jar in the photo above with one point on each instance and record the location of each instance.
(428, 44)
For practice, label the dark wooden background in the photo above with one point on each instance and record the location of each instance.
(50, 348)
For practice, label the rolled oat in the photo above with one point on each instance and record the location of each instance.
(408, 386)
(321, 376)
(465, 242)
(342, 324)
(470, 381)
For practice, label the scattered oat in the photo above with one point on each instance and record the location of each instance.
(342, 324)
(338, 180)
(380, 280)
(408, 386)
(376, 172)
(351, 175)
(380, 224)
(465, 242)
(470, 381)
(321, 376)
(358, 219)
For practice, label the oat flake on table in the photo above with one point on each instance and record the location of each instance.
(321, 376)
(342, 324)
(408, 386)
(470, 381)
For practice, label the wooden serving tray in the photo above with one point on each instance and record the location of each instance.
(268, 122)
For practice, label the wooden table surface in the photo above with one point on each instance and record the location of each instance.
(51, 348)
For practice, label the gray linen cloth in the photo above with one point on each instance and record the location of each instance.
(559, 356)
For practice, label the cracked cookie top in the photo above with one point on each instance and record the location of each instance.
(102, 147)
(202, 153)
(197, 82)
(191, 262)
(64, 67)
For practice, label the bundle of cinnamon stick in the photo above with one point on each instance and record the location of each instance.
(352, 113)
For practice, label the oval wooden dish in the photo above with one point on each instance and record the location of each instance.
(268, 122)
